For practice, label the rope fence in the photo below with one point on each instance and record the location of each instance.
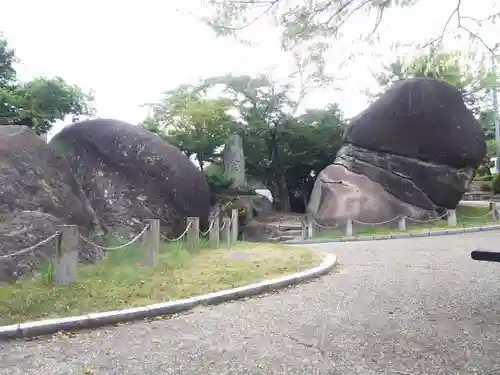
(133, 240)
(31, 248)
(428, 221)
(311, 227)
(221, 229)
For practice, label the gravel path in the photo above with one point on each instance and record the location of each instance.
(403, 307)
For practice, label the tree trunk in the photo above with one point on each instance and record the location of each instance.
(284, 194)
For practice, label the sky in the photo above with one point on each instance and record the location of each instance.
(128, 53)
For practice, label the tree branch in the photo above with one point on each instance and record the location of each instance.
(436, 42)
(271, 5)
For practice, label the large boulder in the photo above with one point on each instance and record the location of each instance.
(130, 175)
(412, 152)
(25, 231)
(37, 191)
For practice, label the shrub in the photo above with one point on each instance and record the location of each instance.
(484, 178)
(495, 183)
(481, 171)
(485, 187)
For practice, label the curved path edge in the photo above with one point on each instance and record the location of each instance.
(431, 233)
(100, 319)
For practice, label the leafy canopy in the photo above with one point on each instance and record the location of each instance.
(198, 126)
(300, 21)
(37, 103)
(313, 26)
(283, 151)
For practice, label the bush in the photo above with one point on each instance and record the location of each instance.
(484, 178)
(481, 171)
(495, 183)
(485, 187)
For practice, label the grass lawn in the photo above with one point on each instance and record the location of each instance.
(467, 216)
(122, 281)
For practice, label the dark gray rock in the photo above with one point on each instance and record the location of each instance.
(33, 178)
(340, 194)
(421, 118)
(130, 175)
(424, 184)
(25, 230)
(412, 152)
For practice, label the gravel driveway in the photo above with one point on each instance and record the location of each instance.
(403, 307)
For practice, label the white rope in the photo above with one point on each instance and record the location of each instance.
(210, 227)
(428, 221)
(177, 238)
(380, 223)
(324, 227)
(31, 248)
(116, 247)
(225, 223)
(390, 220)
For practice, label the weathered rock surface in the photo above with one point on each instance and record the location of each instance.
(339, 194)
(33, 178)
(130, 175)
(412, 152)
(25, 230)
(421, 118)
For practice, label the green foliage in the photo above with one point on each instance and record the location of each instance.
(264, 111)
(196, 125)
(487, 177)
(482, 171)
(485, 186)
(283, 150)
(311, 144)
(308, 21)
(48, 274)
(495, 183)
(216, 180)
(7, 60)
(491, 146)
(37, 103)
(308, 28)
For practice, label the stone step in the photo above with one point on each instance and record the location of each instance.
(291, 233)
(287, 238)
(289, 227)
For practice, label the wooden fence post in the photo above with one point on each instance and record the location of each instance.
(214, 233)
(66, 259)
(151, 242)
(402, 222)
(452, 218)
(348, 228)
(193, 233)
(310, 225)
(234, 225)
(495, 213)
(303, 227)
(226, 230)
